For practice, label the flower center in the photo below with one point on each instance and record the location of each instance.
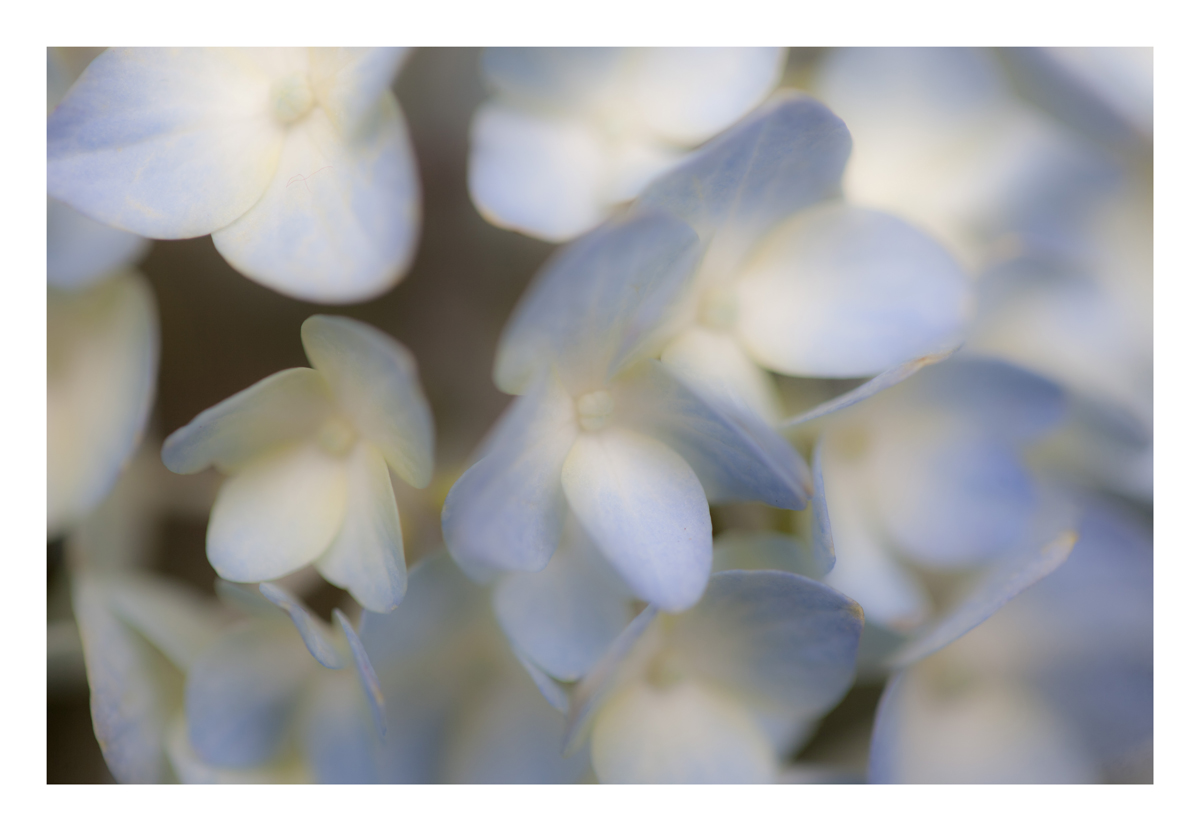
(291, 97)
(336, 436)
(719, 309)
(595, 409)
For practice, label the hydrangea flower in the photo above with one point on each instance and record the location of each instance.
(297, 161)
(792, 279)
(308, 452)
(572, 133)
(631, 449)
(941, 139)
(101, 368)
(723, 692)
(1056, 687)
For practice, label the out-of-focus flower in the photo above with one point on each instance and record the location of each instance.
(940, 139)
(101, 362)
(793, 280)
(572, 133)
(724, 692)
(632, 450)
(308, 451)
(297, 161)
(1057, 687)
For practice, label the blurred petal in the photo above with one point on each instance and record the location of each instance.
(992, 590)
(645, 510)
(715, 362)
(561, 78)
(542, 175)
(338, 222)
(367, 555)
(506, 511)
(554, 692)
(241, 694)
(80, 250)
(599, 304)
(349, 81)
(785, 156)
(821, 528)
(843, 292)
(313, 632)
(737, 456)
(281, 408)
(132, 688)
(180, 623)
(339, 742)
(192, 770)
(750, 550)
(564, 616)
(683, 734)
(276, 514)
(688, 94)
(374, 380)
(864, 391)
(166, 143)
(784, 644)
(101, 363)
(366, 674)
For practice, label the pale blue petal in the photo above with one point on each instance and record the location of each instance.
(687, 94)
(245, 599)
(716, 363)
(781, 642)
(190, 769)
(338, 221)
(279, 409)
(313, 632)
(367, 555)
(785, 156)
(165, 143)
(339, 742)
(180, 623)
(844, 292)
(563, 617)
(558, 78)
(646, 511)
(101, 366)
(241, 694)
(737, 456)
(349, 81)
(80, 250)
(366, 674)
(131, 686)
(687, 733)
(820, 526)
(590, 693)
(277, 514)
(1002, 582)
(554, 692)
(506, 511)
(508, 735)
(880, 382)
(375, 383)
(599, 304)
(544, 176)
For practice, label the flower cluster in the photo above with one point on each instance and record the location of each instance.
(839, 382)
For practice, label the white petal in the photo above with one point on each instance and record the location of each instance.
(374, 380)
(281, 408)
(542, 176)
(102, 361)
(80, 250)
(646, 510)
(338, 221)
(844, 292)
(277, 513)
(166, 143)
(560, 79)
(688, 94)
(367, 555)
(714, 361)
(349, 81)
(683, 734)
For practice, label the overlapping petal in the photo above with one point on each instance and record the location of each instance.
(165, 143)
(277, 514)
(348, 82)
(550, 78)
(374, 380)
(80, 250)
(645, 509)
(314, 633)
(337, 222)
